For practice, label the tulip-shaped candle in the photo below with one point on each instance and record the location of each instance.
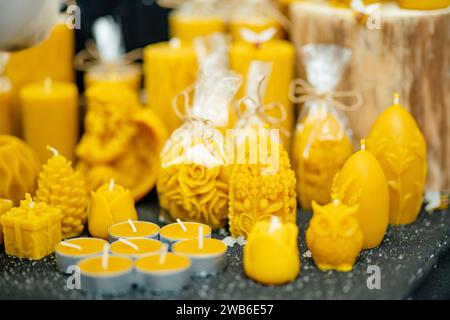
(111, 203)
(400, 148)
(334, 236)
(271, 253)
(362, 182)
(5, 206)
(61, 186)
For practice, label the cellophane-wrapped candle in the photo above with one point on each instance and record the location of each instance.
(5, 206)
(399, 146)
(262, 182)
(60, 186)
(322, 140)
(31, 230)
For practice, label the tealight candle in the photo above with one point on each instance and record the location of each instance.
(106, 274)
(70, 252)
(163, 272)
(133, 229)
(135, 248)
(208, 255)
(178, 231)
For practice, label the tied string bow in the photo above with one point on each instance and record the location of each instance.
(301, 91)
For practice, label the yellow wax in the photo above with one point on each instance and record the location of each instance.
(5, 106)
(399, 146)
(334, 236)
(52, 58)
(93, 266)
(175, 232)
(5, 206)
(187, 27)
(168, 69)
(50, 117)
(173, 262)
(256, 24)
(271, 257)
(109, 206)
(124, 229)
(88, 246)
(362, 182)
(191, 247)
(31, 230)
(282, 54)
(423, 4)
(347, 3)
(123, 74)
(144, 245)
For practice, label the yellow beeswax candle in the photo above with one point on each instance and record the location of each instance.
(132, 229)
(5, 206)
(50, 117)
(262, 184)
(111, 203)
(271, 252)
(423, 5)
(282, 54)
(31, 230)
(123, 74)
(321, 147)
(93, 266)
(191, 247)
(62, 187)
(169, 68)
(256, 25)
(135, 248)
(175, 232)
(362, 182)
(334, 236)
(5, 106)
(19, 168)
(172, 263)
(188, 27)
(399, 146)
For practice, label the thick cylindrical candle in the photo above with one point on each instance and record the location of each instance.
(5, 106)
(50, 117)
(123, 74)
(174, 232)
(136, 248)
(70, 252)
(423, 5)
(133, 229)
(188, 27)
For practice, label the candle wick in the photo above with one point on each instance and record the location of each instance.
(53, 151)
(336, 202)
(132, 225)
(274, 224)
(105, 257)
(130, 244)
(47, 84)
(71, 245)
(175, 43)
(111, 185)
(396, 98)
(163, 254)
(200, 237)
(182, 225)
(363, 144)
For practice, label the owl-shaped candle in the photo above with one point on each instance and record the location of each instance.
(271, 253)
(334, 236)
(61, 186)
(110, 204)
(399, 146)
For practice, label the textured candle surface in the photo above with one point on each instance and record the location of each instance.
(399, 146)
(5, 206)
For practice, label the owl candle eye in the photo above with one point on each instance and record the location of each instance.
(323, 227)
(347, 227)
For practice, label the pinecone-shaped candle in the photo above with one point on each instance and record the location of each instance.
(262, 185)
(60, 186)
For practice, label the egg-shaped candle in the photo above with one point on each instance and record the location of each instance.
(362, 182)
(399, 146)
(111, 203)
(179, 231)
(271, 253)
(133, 229)
(136, 248)
(70, 252)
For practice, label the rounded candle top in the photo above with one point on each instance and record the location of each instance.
(125, 229)
(116, 265)
(171, 263)
(191, 247)
(80, 246)
(136, 246)
(176, 231)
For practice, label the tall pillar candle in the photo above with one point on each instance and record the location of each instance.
(50, 117)
(5, 106)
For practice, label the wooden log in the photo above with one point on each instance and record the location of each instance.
(410, 54)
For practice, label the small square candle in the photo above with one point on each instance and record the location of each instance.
(5, 206)
(31, 230)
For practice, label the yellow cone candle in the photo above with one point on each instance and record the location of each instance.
(271, 252)
(31, 230)
(133, 229)
(69, 252)
(334, 236)
(136, 247)
(111, 203)
(178, 231)
(61, 186)
(5, 206)
(399, 146)
(362, 182)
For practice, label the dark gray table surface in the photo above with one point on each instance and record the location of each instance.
(407, 256)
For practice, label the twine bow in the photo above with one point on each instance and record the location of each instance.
(301, 91)
(89, 57)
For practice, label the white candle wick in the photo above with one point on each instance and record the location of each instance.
(48, 84)
(70, 245)
(53, 151)
(182, 225)
(31, 205)
(105, 257)
(175, 43)
(363, 144)
(163, 254)
(111, 185)
(200, 237)
(132, 225)
(130, 244)
(274, 224)
(396, 98)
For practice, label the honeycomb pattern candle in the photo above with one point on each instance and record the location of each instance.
(271, 253)
(362, 182)
(334, 236)
(62, 187)
(262, 184)
(5, 206)
(110, 204)
(31, 230)
(399, 146)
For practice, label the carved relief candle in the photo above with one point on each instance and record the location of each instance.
(399, 146)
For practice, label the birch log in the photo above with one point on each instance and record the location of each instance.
(409, 54)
